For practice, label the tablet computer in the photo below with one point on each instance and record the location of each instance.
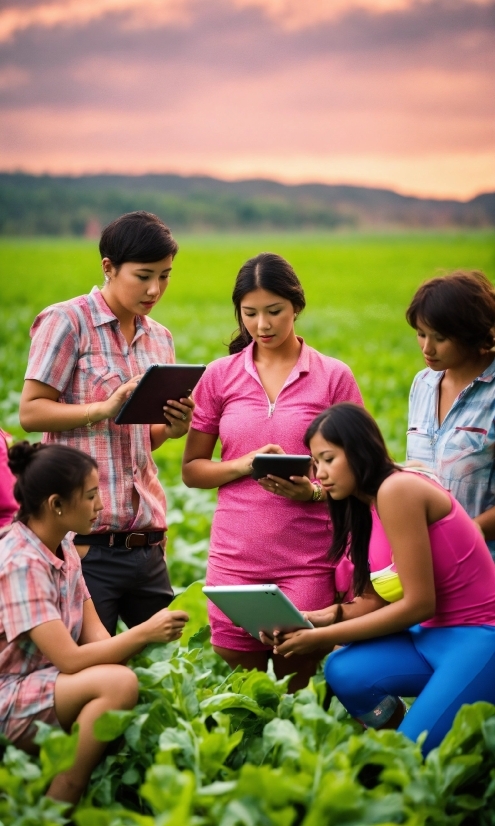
(160, 383)
(257, 608)
(280, 464)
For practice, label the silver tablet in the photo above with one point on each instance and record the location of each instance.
(257, 608)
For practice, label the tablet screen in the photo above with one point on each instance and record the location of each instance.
(282, 465)
(160, 383)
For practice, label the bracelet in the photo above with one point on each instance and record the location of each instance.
(317, 495)
(339, 616)
(89, 423)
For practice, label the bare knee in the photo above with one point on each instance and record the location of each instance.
(122, 687)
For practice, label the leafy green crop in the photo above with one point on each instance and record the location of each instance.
(206, 747)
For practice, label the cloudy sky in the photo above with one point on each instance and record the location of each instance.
(396, 93)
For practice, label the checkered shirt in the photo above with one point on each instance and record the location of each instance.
(78, 348)
(35, 587)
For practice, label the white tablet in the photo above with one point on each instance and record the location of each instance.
(257, 608)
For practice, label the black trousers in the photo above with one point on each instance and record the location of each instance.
(131, 583)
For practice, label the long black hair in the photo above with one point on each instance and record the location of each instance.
(270, 272)
(350, 427)
(43, 470)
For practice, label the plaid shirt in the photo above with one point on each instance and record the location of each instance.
(461, 449)
(35, 587)
(77, 348)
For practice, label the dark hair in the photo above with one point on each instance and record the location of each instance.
(137, 236)
(353, 429)
(269, 272)
(44, 470)
(459, 306)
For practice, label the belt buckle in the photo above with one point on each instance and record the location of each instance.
(133, 534)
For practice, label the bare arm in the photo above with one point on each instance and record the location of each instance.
(55, 642)
(486, 521)
(405, 510)
(40, 410)
(200, 471)
(93, 629)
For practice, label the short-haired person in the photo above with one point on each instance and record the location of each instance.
(451, 424)
(58, 664)
(423, 620)
(86, 356)
(260, 399)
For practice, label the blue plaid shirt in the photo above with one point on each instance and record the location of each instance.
(461, 451)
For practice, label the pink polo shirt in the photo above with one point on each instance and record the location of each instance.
(256, 535)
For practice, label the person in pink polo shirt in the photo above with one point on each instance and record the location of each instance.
(260, 399)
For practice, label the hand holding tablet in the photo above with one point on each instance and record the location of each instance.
(159, 384)
(257, 608)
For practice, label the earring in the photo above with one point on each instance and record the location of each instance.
(59, 513)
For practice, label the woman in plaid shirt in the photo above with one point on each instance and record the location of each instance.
(57, 661)
(87, 355)
(452, 402)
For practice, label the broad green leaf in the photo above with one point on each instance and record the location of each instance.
(112, 724)
(193, 602)
(225, 702)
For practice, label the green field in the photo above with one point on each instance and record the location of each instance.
(235, 750)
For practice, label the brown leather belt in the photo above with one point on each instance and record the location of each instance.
(129, 539)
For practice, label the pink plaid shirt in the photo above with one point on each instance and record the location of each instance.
(35, 587)
(77, 348)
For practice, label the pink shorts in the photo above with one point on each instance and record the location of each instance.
(31, 691)
(308, 593)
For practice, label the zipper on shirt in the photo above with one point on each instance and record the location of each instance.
(271, 408)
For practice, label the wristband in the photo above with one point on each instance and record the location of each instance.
(89, 423)
(316, 497)
(339, 616)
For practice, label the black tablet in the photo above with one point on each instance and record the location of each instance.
(280, 464)
(160, 383)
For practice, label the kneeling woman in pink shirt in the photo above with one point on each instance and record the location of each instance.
(260, 399)
(57, 661)
(423, 623)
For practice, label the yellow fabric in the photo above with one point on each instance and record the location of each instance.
(387, 584)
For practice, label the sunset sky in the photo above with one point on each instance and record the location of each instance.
(395, 93)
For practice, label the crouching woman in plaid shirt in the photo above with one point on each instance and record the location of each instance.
(58, 663)
(86, 356)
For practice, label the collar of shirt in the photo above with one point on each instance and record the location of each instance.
(433, 377)
(35, 542)
(301, 366)
(102, 314)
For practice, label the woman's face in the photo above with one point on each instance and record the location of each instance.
(268, 318)
(80, 513)
(135, 288)
(440, 353)
(332, 468)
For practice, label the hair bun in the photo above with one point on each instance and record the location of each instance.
(20, 456)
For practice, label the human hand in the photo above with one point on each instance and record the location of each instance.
(244, 464)
(179, 415)
(109, 408)
(323, 618)
(303, 641)
(165, 626)
(297, 488)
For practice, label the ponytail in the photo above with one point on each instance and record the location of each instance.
(43, 470)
